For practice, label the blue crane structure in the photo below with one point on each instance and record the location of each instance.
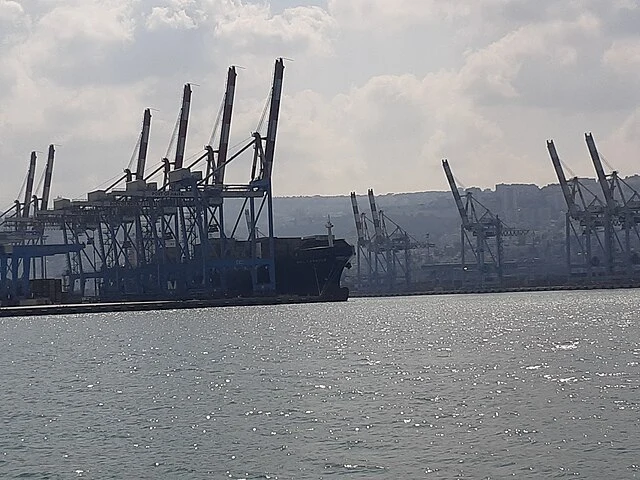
(172, 238)
(23, 246)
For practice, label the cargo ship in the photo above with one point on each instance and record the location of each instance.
(312, 266)
(308, 267)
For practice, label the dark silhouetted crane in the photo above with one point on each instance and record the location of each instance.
(479, 222)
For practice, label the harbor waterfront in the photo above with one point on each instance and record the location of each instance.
(171, 234)
(493, 385)
(85, 308)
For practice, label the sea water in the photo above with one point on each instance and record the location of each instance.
(526, 385)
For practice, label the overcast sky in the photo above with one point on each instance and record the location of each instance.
(377, 92)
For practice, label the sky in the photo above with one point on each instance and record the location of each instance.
(376, 92)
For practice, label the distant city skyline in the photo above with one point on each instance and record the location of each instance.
(376, 93)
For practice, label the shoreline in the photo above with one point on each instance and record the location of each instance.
(480, 290)
(141, 306)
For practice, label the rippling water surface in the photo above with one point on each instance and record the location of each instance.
(530, 385)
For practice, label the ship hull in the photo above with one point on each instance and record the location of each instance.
(314, 268)
(304, 267)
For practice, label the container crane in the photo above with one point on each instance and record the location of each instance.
(386, 254)
(216, 169)
(622, 215)
(610, 204)
(482, 224)
(378, 244)
(22, 247)
(362, 250)
(158, 240)
(584, 221)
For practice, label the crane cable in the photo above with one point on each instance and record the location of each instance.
(217, 122)
(264, 111)
(173, 135)
(40, 181)
(21, 192)
(133, 154)
(604, 160)
(567, 168)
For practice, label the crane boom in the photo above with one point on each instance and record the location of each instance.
(374, 215)
(456, 194)
(564, 185)
(609, 248)
(356, 216)
(29, 189)
(48, 174)
(274, 112)
(602, 178)
(226, 125)
(144, 145)
(182, 129)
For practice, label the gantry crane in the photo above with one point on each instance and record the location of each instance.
(585, 221)
(622, 215)
(363, 253)
(22, 238)
(479, 222)
(386, 254)
(378, 246)
(171, 238)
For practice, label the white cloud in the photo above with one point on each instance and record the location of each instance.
(179, 14)
(254, 27)
(491, 72)
(102, 22)
(624, 56)
(10, 11)
(162, 16)
(382, 16)
(70, 37)
(388, 134)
